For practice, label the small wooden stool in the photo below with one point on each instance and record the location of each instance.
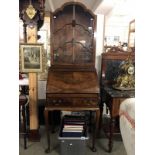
(23, 101)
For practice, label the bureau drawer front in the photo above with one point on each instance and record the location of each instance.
(72, 101)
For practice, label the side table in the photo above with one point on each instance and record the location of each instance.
(52, 107)
(113, 100)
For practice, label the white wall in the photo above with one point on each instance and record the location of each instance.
(117, 20)
(117, 26)
(42, 89)
(99, 41)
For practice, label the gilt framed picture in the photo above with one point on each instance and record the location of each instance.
(31, 57)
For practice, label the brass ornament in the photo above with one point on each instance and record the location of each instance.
(30, 11)
(126, 77)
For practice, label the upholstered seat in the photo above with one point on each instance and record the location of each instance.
(127, 124)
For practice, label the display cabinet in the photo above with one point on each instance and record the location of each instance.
(73, 38)
(72, 83)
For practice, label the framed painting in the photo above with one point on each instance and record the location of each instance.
(31, 57)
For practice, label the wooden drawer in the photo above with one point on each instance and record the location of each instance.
(72, 101)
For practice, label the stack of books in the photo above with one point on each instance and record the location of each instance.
(73, 126)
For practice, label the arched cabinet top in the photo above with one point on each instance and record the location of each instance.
(73, 44)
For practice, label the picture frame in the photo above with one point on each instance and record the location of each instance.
(31, 57)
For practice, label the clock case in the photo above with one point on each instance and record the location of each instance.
(111, 68)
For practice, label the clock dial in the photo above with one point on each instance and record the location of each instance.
(131, 70)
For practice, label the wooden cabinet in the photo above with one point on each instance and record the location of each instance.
(73, 41)
(131, 36)
(72, 83)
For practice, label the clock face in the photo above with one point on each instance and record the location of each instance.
(131, 70)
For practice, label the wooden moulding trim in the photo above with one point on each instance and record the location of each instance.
(74, 3)
(91, 65)
(34, 135)
(72, 95)
(117, 55)
(50, 108)
(72, 68)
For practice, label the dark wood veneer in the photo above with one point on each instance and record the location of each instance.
(72, 83)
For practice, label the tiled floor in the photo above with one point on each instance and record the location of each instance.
(38, 148)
